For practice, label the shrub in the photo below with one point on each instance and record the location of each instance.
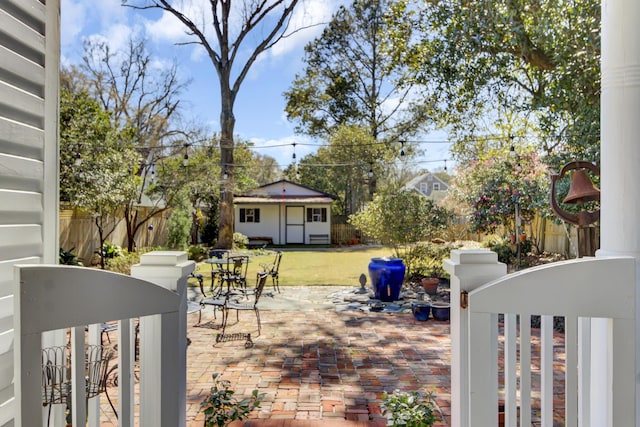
(111, 250)
(240, 240)
(428, 259)
(197, 252)
(221, 407)
(180, 222)
(501, 246)
(68, 257)
(411, 409)
(123, 263)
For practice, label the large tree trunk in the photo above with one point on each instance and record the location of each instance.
(226, 215)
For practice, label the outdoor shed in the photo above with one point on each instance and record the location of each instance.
(284, 212)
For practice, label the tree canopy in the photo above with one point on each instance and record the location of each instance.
(350, 78)
(97, 161)
(539, 59)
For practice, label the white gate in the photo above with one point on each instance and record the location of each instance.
(582, 291)
(54, 297)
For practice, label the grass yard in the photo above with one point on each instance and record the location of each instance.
(332, 266)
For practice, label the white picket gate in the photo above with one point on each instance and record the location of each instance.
(583, 291)
(54, 297)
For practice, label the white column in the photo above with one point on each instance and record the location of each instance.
(620, 163)
(469, 269)
(163, 364)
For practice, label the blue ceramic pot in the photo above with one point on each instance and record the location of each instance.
(421, 310)
(387, 275)
(440, 310)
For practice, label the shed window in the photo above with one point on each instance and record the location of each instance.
(249, 215)
(316, 214)
(436, 186)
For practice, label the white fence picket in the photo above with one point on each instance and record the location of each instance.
(575, 288)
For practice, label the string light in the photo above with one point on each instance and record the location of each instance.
(294, 151)
(78, 160)
(225, 174)
(185, 160)
(371, 170)
(401, 148)
(445, 165)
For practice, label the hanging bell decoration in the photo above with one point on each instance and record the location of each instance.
(581, 189)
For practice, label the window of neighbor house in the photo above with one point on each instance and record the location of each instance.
(316, 214)
(249, 215)
(424, 187)
(436, 186)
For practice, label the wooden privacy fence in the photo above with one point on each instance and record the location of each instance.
(78, 231)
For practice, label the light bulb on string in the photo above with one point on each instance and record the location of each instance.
(294, 151)
(78, 159)
(225, 173)
(185, 160)
(401, 148)
(370, 170)
(445, 165)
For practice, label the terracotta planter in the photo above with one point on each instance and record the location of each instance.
(430, 285)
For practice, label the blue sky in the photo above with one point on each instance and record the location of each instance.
(259, 108)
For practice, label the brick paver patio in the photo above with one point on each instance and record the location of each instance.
(325, 367)
(323, 364)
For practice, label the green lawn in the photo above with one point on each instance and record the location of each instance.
(335, 267)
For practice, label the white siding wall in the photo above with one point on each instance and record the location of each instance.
(317, 227)
(268, 225)
(29, 63)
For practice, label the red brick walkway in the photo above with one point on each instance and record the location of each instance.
(322, 367)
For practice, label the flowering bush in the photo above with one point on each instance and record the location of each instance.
(492, 188)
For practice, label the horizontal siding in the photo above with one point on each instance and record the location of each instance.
(29, 12)
(21, 106)
(20, 139)
(23, 24)
(20, 241)
(19, 37)
(20, 173)
(20, 207)
(7, 406)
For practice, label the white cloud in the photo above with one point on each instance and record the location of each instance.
(311, 14)
(73, 19)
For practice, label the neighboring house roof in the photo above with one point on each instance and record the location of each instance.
(283, 190)
(429, 178)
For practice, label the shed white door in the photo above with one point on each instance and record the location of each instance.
(295, 224)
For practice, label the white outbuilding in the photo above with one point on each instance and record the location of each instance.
(284, 212)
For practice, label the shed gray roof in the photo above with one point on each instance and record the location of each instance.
(287, 200)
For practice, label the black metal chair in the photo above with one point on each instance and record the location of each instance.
(217, 301)
(272, 270)
(236, 278)
(249, 306)
(218, 258)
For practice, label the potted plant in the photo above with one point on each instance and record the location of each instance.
(420, 310)
(430, 285)
(221, 407)
(411, 409)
